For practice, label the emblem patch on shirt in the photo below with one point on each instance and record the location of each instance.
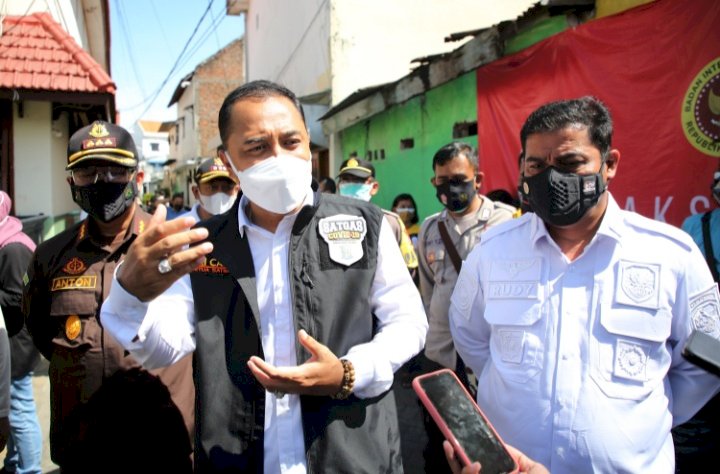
(344, 235)
(464, 295)
(212, 265)
(527, 269)
(26, 279)
(638, 284)
(74, 267)
(705, 311)
(73, 325)
(74, 283)
(630, 360)
(511, 345)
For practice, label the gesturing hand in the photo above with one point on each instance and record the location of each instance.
(139, 273)
(322, 374)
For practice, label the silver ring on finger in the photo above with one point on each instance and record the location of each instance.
(164, 266)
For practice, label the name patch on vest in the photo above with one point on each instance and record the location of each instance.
(74, 283)
(344, 235)
(212, 265)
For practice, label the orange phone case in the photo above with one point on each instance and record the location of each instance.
(497, 457)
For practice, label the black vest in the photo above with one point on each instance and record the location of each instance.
(332, 303)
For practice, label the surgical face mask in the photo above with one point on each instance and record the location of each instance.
(217, 203)
(356, 190)
(562, 199)
(456, 196)
(104, 201)
(277, 184)
(405, 213)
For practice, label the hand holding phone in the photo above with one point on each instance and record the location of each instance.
(463, 423)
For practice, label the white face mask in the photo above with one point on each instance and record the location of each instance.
(216, 203)
(277, 184)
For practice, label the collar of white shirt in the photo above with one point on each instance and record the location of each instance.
(611, 225)
(244, 222)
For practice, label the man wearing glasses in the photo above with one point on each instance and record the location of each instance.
(100, 396)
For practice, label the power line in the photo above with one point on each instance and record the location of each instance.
(128, 44)
(177, 61)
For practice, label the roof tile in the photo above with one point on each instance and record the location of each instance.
(36, 53)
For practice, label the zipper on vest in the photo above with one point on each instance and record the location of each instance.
(304, 276)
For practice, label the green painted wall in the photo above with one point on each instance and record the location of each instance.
(427, 119)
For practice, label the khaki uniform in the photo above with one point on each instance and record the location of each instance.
(102, 403)
(438, 275)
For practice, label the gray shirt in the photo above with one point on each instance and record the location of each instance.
(437, 274)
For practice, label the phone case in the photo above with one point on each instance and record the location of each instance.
(447, 430)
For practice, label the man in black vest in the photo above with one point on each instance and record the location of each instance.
(286, 260)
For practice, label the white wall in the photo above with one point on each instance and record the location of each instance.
(287, 41)
(312, 46)
(40, 160)
(188, 147)
(373, 41)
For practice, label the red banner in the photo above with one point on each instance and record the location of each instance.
(656, 67)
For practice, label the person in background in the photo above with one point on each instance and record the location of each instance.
(177, 206)
(327, 185)
(445, 239)
(100, 398)
(24, 448)
(404, 206)
(697, 441)
(356, 179)
(4, 384)
(574, 316)
(215, 189)
(298, 315)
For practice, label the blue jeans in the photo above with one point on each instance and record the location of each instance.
(24, 446)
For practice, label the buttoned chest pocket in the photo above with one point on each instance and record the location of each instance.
(435, 256)
(518, 332)
(73, 312)
(629, 356)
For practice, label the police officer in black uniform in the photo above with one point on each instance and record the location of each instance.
(105, 409)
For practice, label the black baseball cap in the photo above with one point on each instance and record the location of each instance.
(212, 168)
(356, 167)
(102, 141)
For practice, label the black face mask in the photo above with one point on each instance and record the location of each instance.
(104, 201)
(456, 195)
(562, 199)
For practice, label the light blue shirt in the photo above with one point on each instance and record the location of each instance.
(579, 363)
(693, 226)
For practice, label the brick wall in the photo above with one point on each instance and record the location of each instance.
(214, 79)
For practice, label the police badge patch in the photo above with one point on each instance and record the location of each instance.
(705, 312)
(638, 284)
(344, 235)
(631, 360)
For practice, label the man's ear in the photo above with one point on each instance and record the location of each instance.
(139, 178)
(196, 191)
(611, 164)
(375, 188)
(479, 176)
(432, 181)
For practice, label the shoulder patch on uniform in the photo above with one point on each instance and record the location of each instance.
(661, 229)
(26, 279)
(504, 227)
(705, 311)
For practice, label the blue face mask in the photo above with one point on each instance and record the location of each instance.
(356, 190)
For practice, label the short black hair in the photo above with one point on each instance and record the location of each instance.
(406, 197)
(178, 195)
(587, 111)
(257, 90)
(329, 184)
(453, 150)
